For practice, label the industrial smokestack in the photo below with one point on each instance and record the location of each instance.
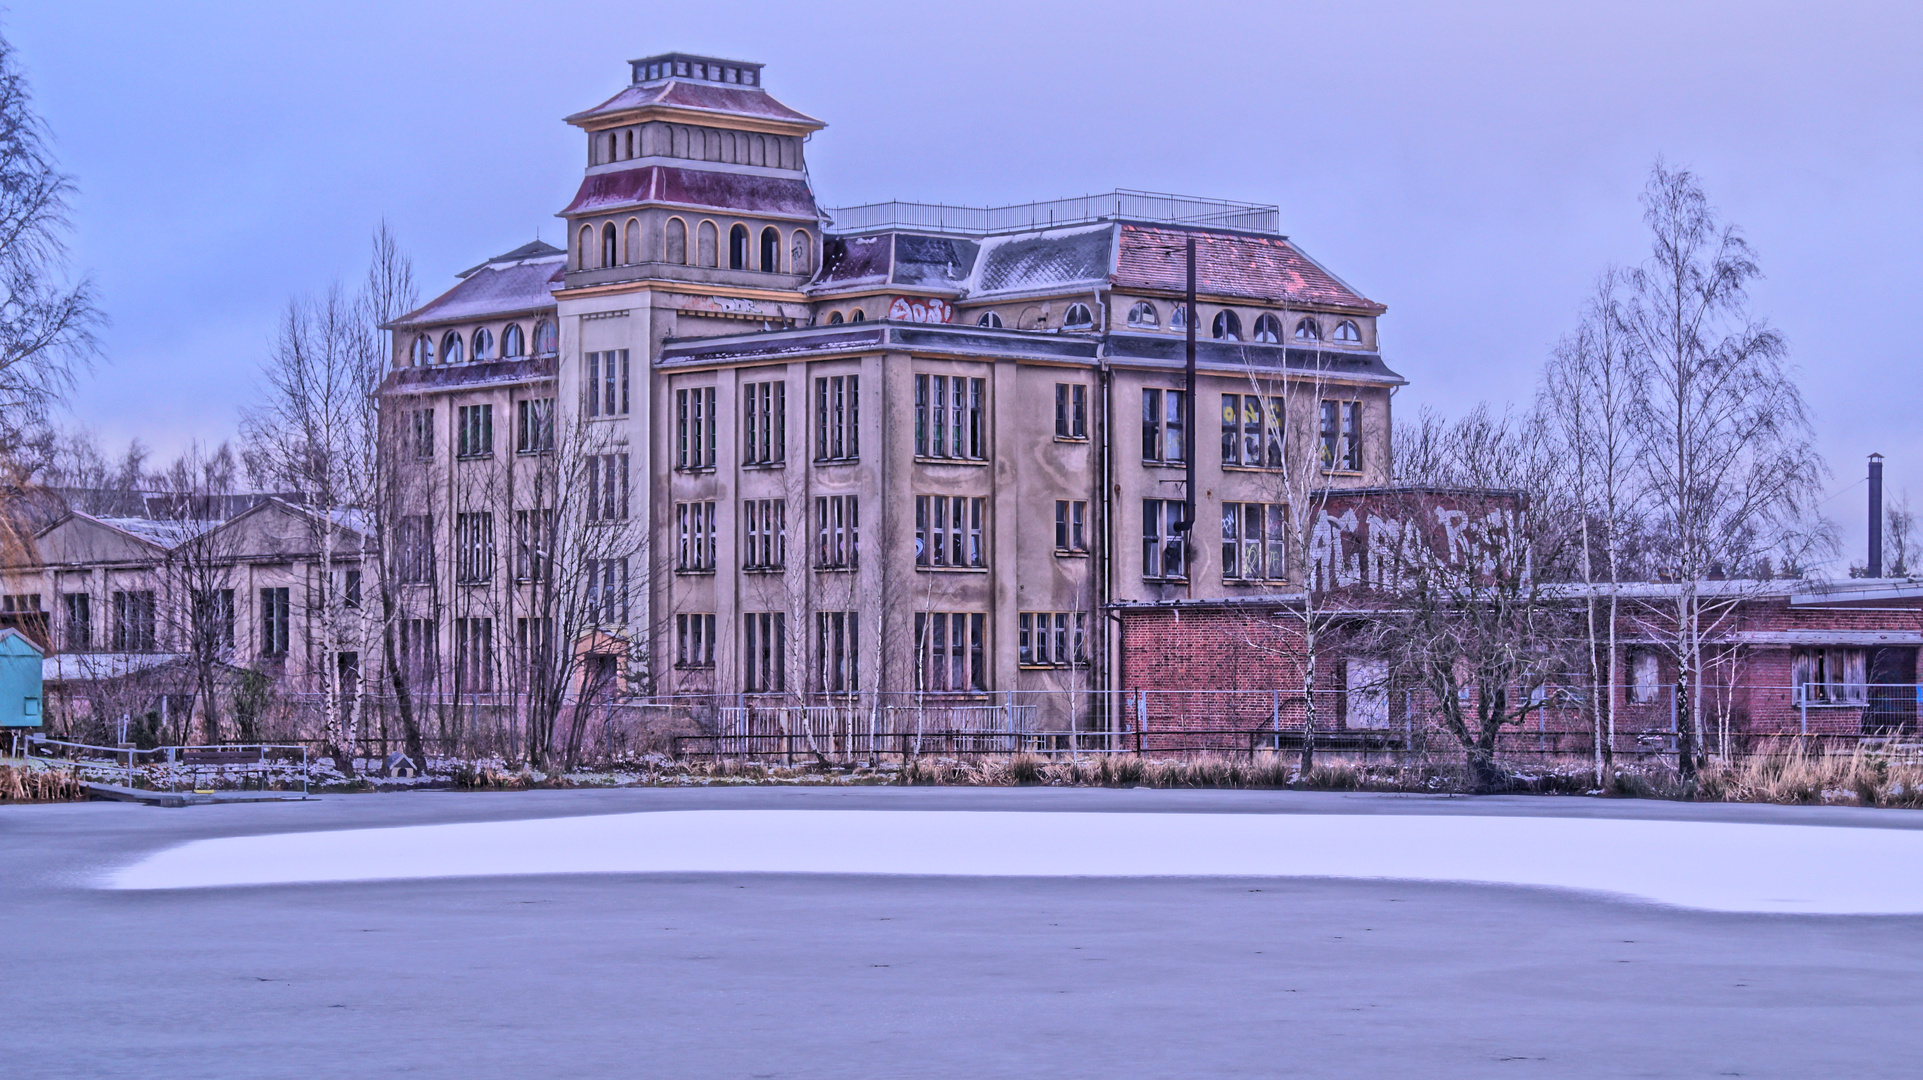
(1876, 515)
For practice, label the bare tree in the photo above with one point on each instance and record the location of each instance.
(195, 494)
(1475, 623)
(1900, 545)
(1725, 435)
(1589, 390)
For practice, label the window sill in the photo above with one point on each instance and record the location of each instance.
(838, 461)
(1146, 580)
(1249, 581)
(608, 416)
(763, 466)
(689, 470)
(693, 571)
(951, 569)
(1083, 439)
(474, 457)
(534, 453)
(694, 667)
(1357, 473)
(764, 569)
(1147, 464)
(475, 583)
(1233, 467)
(922, 459)
(849, 569)
(1070, 553)
(1076, 666)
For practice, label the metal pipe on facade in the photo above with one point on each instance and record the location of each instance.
(1876, 516)
(1190, 415)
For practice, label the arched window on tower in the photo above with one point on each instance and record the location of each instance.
(675, 248)
(610, 249)
(513, 344)
(738, 247)
(802, 254)
(1308, 330)
(990, 320)
(451, 348)
(707, 241)
(423, 351)
(1268, 329)
(771, 250)
(483, 344)
(1228, 326)
(546, 341)
(1078, 317)
(583, 247)
(1142, 316)
(630, 143)
(1348, 332)
(633, 248)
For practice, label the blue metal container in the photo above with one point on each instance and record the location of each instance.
(20, 697)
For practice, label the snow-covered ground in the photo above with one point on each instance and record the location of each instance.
(1716, 866)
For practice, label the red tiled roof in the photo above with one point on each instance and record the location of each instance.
(700, 97)
(694, 187)
(1258, 267)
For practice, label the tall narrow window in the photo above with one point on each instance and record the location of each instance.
(949, 647)
(423, 351)
(414, 537)
(738, 247)
(1071, 411)
(421, 432)
(1071, 532)
(837, 652)
(949, 418)
(802, 254)
(1342, 436)
(513, 342)
(134, 627)
(838, 531)
(214, 618)
(547, 341)
(771, 250)
(276, 621)
(474, 547)
(483, 344)
(610, 247)
(1162, 548)
(476, 431)
(1254, 546)
(675, 248)
(764, 534)
(534, 425)
(420, 650)
(764, 423)
(607, 383)
(474, 655)
(534, 538)
(607, 591)
(694, 428)
(838, 418)
(948, 531)
(631, 251)
(77, 623)
(607, 476)
(695, 549)
(1163, 429)
(1252, 431)
(765, 652)
(451, 349)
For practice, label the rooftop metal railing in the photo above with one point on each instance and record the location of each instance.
(1120, 203)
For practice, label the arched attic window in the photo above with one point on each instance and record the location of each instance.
(1142, 316)
(610, 246)
(771, 250)
(707, 242)
(546, 341)
(857, 315)
(990, 320)
(738, 247)
(1308, 330)
(1347, 331)
(422, 353)
(675, 248)
(633, 241)
(803, 254)
(1078, 317)
(483, 344)
(451, 348)
(513, 342)
(1268, 329)
(1179, 318)
(1228, 326)
(834, 318)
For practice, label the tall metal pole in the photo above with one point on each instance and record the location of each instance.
(1876, 515)
(1190, 415)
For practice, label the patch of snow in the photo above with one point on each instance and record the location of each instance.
(1784, 869)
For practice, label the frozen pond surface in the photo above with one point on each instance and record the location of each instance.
(1711, 865)
(835, 974)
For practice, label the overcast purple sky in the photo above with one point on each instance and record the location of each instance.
(1472, 169)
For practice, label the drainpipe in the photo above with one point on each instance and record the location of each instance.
(1190, 415)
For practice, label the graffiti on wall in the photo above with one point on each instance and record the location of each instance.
(921, 309)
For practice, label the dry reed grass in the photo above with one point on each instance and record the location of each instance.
(40, 785)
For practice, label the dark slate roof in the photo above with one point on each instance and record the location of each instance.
(533, 249)
(497, 287)
(694, 187)
(751, 102)
(1031, 261)
(1230, 264)
(427, 380)
(906, 259)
